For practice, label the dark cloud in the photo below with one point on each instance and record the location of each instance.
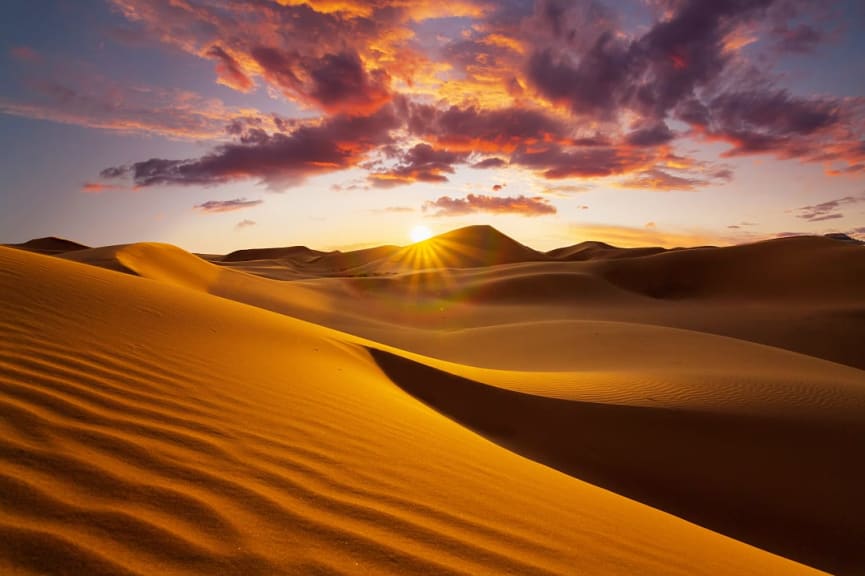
(339, 83)
(617, 92)
(759, 121)
(650, 74)
(473, 129)
(830, 210)
(244, 224)
(279, 159)
(589, 88)
(556, 162)
(216, 206)
(522, 205)
(492, 162)
(650, 136)
(421, 163)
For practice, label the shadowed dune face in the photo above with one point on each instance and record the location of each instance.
(151, 428)
(788, 485)
(803, 268)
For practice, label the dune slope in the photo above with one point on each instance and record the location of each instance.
(764, 451)
(150, 428)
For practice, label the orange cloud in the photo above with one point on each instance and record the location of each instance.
(473, 203)
(99, 187)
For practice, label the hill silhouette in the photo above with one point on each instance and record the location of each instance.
(49, 245)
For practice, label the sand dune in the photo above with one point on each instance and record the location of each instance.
(591, 250)
(762, 449)
(441, 413)
(820, 314)
(805, 268)
(291, 253)
(467, 247)
(50, 245)
(150, 429)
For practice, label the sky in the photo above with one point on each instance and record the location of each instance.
(218, 125)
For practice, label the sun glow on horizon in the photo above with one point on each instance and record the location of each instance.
(420, 233)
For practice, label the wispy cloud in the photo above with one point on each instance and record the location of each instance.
(99, 187)
(473, 203)
(831, 210)
(216, 206)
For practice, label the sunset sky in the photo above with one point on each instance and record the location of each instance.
(218, 125)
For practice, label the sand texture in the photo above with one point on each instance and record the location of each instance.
(465, 405)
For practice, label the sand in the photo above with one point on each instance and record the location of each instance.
(466, 405)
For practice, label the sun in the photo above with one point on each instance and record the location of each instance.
(420, 233)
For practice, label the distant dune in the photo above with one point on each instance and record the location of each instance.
(292, 253)
(50, 245)
(597, 250)
(464, 405)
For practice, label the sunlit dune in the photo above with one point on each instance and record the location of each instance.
(463, 404)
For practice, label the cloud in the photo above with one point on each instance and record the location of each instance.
(335, 82)
(473, 203)
(228, 70)
(279, 159)
(326, 55)
(650, 136)
(421, 163)
(492, 162)
(69, 95)
(556, 162)
(24, 54)
(567, 189)
(472, 129)
(217, 206)
(244, 224)
(648, 74)
(98, 187)
(565, 90)
(830, 210)
(759, 121)
(657, 179)
(741, 225)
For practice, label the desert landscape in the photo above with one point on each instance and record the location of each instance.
(413, 287)
(461, 405)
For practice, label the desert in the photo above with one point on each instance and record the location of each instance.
(425, 287)
(464, 404)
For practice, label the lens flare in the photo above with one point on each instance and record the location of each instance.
(420, 233)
